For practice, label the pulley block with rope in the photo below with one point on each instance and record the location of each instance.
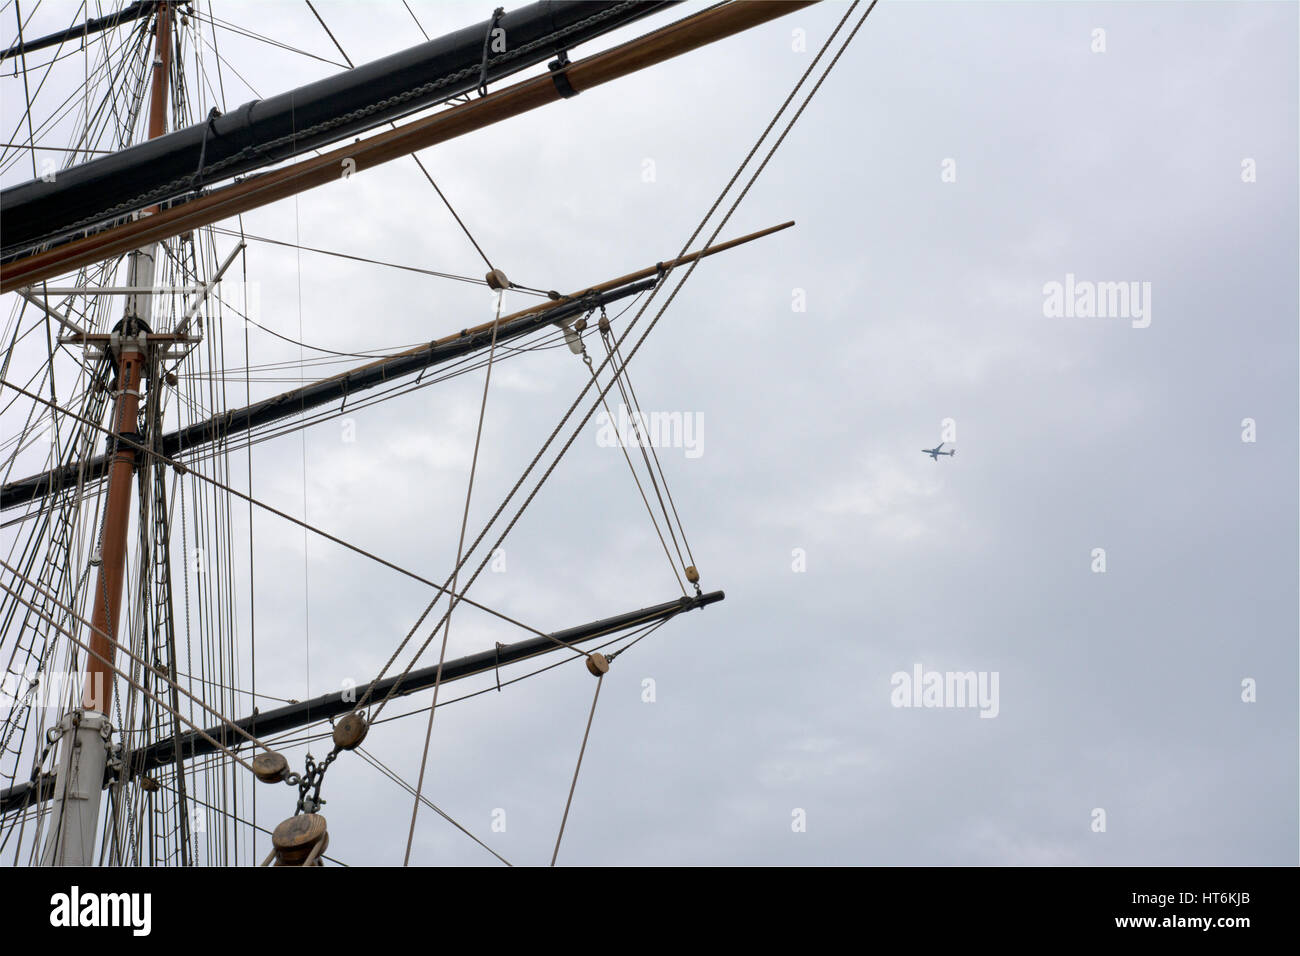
(597, 664)
(302, 839)
(270, 767)
(350, 731)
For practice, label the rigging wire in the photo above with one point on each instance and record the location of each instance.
(377, 262)
(124, 813)
(31, 134)
(641, 632)
(337, 45)
(415, 18)
(654, 521)
(252, 580)
(121, 673)
(620, 377)
(427, 175)
(387, 353)
(460, 548)
(234, 817)
(56, 149)
(393, 776)
(646, 631)
(627, 377)
(654, 321)
(287, 517)
(216, 21)
(329, 414)
(617, 360)
(600, 680)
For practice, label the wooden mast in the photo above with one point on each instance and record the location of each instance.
(98, 690)
(85, 733)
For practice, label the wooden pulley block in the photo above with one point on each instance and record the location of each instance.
(300, 840)
(692, 575)
(147, 784)
(496, 279)
(270, 767)
(598, 664)
(350, 731)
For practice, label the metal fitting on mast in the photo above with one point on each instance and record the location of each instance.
(84, 742)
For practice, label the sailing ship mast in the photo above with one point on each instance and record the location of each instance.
(86, 732)
(136, 203)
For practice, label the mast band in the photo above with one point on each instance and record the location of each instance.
(560, 77)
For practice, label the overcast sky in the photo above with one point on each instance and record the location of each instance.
(960, 158)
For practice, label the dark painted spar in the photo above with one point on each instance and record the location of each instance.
(381, 371)
(328, 706)
(268, 131)
(221, 427)
(136, 11)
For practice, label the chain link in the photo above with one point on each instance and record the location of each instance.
(309, 782)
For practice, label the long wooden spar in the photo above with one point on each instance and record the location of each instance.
(364, 376)
(670, 41)
(577, 296)
(163, 752)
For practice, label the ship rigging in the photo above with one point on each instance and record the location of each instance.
(120, 566)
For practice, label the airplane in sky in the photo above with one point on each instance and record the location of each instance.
(934, 452)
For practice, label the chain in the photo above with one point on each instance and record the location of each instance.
(309, 782)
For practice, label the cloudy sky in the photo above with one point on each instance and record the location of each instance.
(960, 158)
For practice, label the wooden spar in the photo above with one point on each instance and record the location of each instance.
(673, 40)
(97, 694)
(298, 122)
(135, 11)
(225, 424)
(161, 72)
(161, 753)
(600, 287)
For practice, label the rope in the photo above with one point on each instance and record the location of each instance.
(654, 521)
(573, 407)
(376, 262)
(495, 17)
(621, 377)
(415, 18)
(348, 59)
(169, 189)
(487, 39)
(573, 786)
(392, 775)
(446, 202)
(627, 377)
(646, 629)
(460, 546)
(121, 673)
(275, 511)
